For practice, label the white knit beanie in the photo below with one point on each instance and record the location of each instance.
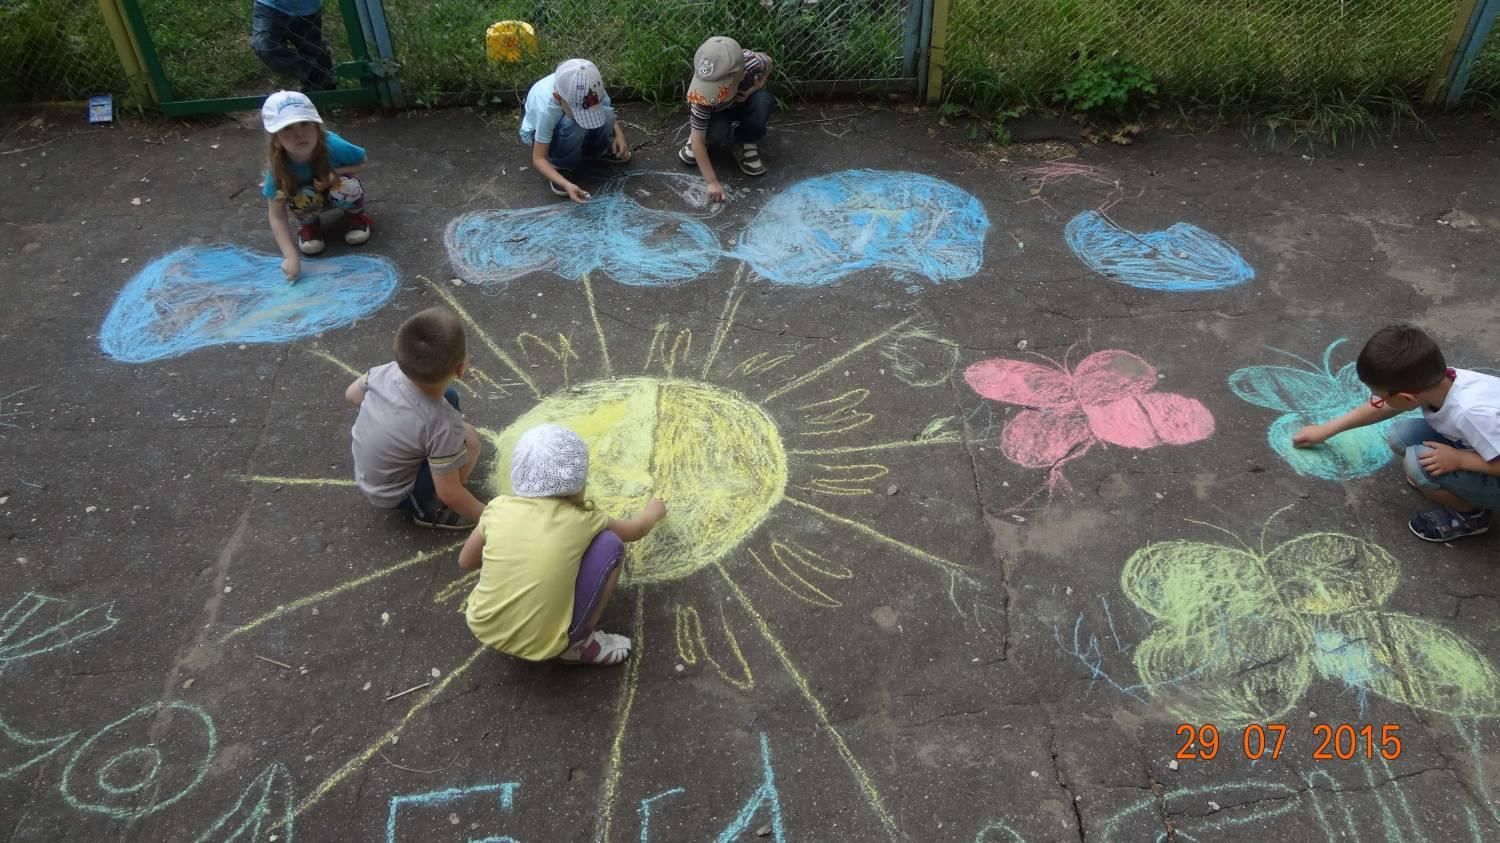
(550, 461)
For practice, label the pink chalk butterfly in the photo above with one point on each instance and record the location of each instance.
(1107, 398)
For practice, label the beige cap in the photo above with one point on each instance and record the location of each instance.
(717, 68)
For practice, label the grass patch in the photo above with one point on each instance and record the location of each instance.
(1313, 67)
(647, 47)
(55, 50)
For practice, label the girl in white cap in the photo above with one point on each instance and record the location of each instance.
(310, 170)
(548, 560)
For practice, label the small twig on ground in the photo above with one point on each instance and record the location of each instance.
(410, 769)
(1127, 232)
(407, 691)
(45, 142)
(275, 662)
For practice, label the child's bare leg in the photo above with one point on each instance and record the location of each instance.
(1443, 497)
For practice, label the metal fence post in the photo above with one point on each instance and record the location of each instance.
(937, 44)
(1472, 24)
(128, 51)
(377, 35)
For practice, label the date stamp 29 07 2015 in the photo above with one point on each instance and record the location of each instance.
(1335, 742)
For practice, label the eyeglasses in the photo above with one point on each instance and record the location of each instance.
(1380, 403)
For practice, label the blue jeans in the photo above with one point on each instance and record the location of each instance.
(752, 116)
(292, 45)
(1407, 436)
(571, 143)
(423, 499)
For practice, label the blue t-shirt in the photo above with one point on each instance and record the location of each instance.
(543, 111)
(341, 153)
(295, 8)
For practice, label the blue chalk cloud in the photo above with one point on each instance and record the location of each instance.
(612, 233)
(1182, 258)
(823, 229)
(211, 295)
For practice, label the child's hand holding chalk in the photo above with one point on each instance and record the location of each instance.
(291, 267)
(578, 194)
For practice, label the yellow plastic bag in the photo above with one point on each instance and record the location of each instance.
(509, 41)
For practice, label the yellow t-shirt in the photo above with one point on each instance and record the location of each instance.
(523, 602)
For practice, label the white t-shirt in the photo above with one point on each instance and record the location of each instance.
(543, 111)
(1470, 415)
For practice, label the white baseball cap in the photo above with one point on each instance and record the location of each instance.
(284, 108)
(582, 88)
(550, 461)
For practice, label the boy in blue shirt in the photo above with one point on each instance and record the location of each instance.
(287, 35)
(569, 117)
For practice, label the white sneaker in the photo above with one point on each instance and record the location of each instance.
(600, 648)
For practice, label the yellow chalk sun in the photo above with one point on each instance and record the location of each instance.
(712, 454)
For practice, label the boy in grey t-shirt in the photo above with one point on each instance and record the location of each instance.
(412, 448)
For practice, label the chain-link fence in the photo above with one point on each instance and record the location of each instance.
(224, 48)
(1216, 50)
(646, 46)
(55, 49)
(1235, 51)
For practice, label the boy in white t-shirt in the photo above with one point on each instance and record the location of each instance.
(1452, 453)
(568, 118)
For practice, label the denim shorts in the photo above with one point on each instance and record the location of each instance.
(1406, 437)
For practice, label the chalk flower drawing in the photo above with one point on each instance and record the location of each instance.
(1315, 395)
(1238, 634)
(816, 233)
(1182, 258)
(611, 233)
(1109, 398)
(823, 229)
(212, 295)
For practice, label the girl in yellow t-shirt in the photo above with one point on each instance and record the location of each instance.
(552, 565)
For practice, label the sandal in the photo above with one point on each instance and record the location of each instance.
(1442, 525)
(600, 648)
(750, 163)
(443, 519)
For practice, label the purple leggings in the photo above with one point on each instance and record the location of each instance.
(599, 562)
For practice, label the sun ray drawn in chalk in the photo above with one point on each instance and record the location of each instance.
(684, 425)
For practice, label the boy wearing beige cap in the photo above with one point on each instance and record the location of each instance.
(568, 118)
(729, 104)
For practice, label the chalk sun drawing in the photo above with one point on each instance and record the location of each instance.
(612, 233)
(1239, 633)
(212, 295)
(1315, 395)
(1182, 258)
(1108, 398)
(820, 230)
(742, 449)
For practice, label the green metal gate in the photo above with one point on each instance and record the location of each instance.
(196, 58)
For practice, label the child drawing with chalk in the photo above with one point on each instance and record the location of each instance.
(569, 118)
(548, 560)
(310, 170)
(412, 449)
(1452, 453)
(729, 105)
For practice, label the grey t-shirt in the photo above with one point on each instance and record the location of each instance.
(398, 427)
